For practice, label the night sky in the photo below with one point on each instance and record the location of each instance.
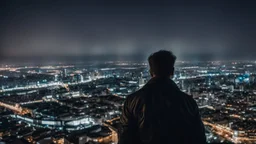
(213, 29)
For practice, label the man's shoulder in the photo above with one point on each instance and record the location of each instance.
(188, 100)
(187, 96)
(135, 95)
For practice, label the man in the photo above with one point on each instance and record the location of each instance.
(159, 113)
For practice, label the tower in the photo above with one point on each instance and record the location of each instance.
(182, 84)
(55, 78)
(141, 80)
(65, 72)
(81, 78)
(232, 88)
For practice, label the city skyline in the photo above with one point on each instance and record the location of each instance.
(83, 102)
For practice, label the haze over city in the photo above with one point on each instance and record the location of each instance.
(197, 30)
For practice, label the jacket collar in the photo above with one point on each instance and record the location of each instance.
(163, 80)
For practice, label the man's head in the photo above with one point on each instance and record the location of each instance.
(162, 63)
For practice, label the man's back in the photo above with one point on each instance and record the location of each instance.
(161, 113)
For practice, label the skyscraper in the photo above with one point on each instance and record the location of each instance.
(65, 72)
(55, 78)
(141, 80)
(81, 78)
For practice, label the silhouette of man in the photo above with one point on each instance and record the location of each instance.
(159, 113)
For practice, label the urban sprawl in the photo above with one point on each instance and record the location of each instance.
(81, 103)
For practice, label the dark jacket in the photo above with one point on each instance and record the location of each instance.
(159, 113)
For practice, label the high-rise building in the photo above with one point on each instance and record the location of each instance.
(141, 80)
(182, 84)
(81, 78)
(55, 78)
(65, 72)
(231, 87)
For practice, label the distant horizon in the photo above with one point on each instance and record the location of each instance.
(107, 58)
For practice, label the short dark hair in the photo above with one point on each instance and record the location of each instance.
(161, 63)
